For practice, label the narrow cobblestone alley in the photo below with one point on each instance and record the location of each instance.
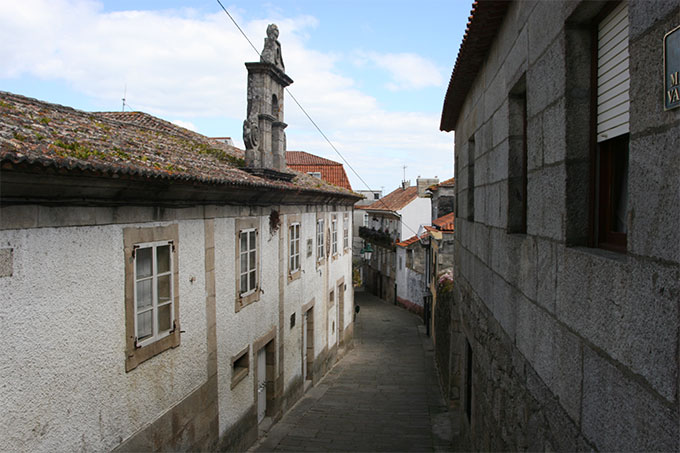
(382, 396)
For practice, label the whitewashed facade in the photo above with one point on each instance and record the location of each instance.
(156, 292)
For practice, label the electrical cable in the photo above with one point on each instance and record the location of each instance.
(314, 122)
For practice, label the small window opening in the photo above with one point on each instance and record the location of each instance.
(468, 381)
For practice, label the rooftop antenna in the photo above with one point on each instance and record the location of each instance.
(124, 94)
(404, 167)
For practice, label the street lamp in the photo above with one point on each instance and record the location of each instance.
(367, 251)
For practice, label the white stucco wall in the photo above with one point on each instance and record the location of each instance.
(235, 330)
(413, 215)
(64, 385)
(402, 288)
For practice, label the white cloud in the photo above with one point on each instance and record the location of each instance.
(408, 71)
(187, 65)
(186, 125)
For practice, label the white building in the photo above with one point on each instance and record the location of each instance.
(399, 214)
(156, 296)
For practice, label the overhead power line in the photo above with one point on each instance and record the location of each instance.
(312, 121)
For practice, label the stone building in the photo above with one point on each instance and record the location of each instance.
(443, 196)
(361, 219)
(397, 215)
(566, 311)
(158, 293)
(411, 278)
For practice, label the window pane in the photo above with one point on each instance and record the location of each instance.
(143, 294)
(164, 318)
(163, 289)
(163, 259)
(252, 240)
(252, 260)
(244, 283)
(244, 242)
(253, 282)
(144, 326)
(143, 258)
(244, 262)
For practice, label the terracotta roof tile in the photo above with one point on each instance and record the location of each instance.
(331, 171)
(451, 182)
(411, 240)
(445, 222)
(394, 200)
(40, 135)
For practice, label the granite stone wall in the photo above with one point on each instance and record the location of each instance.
(572, 347)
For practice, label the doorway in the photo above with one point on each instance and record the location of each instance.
(266, 364)
(308, 344)
(341, 313)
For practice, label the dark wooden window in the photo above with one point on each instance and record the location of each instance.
(610, 105)
(612, 193)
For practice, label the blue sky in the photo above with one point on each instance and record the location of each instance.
(371, 73)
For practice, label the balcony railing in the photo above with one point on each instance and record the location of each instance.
(377, 237)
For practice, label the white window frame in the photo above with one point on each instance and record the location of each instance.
(155, 335)
(320, 243)
(345, 231)
(294, 247)
(366, 219)
(248, 269)
(334, 235)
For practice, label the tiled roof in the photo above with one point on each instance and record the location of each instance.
(451, 182)
(411, 240)
(445, 222)
(394, 200)
(484, 22)
(331, 171)
(136, 145)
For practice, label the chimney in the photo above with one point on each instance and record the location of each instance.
(424, 183)
(405, 184)
(263, 128)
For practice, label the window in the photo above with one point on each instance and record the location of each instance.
(334, 235)
(240, 365)
(613, 193)
(611, 153)
(151, 292)
(517, 160)
(471, 180)
(320, 250)
(315, 174)
(366, 219)
(154, 314)
(345, 232)
(294, 234)
(468, 380)
(248, 259)
(247, 262)
(376, 196)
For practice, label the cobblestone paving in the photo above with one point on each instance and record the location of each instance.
(382, 396)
